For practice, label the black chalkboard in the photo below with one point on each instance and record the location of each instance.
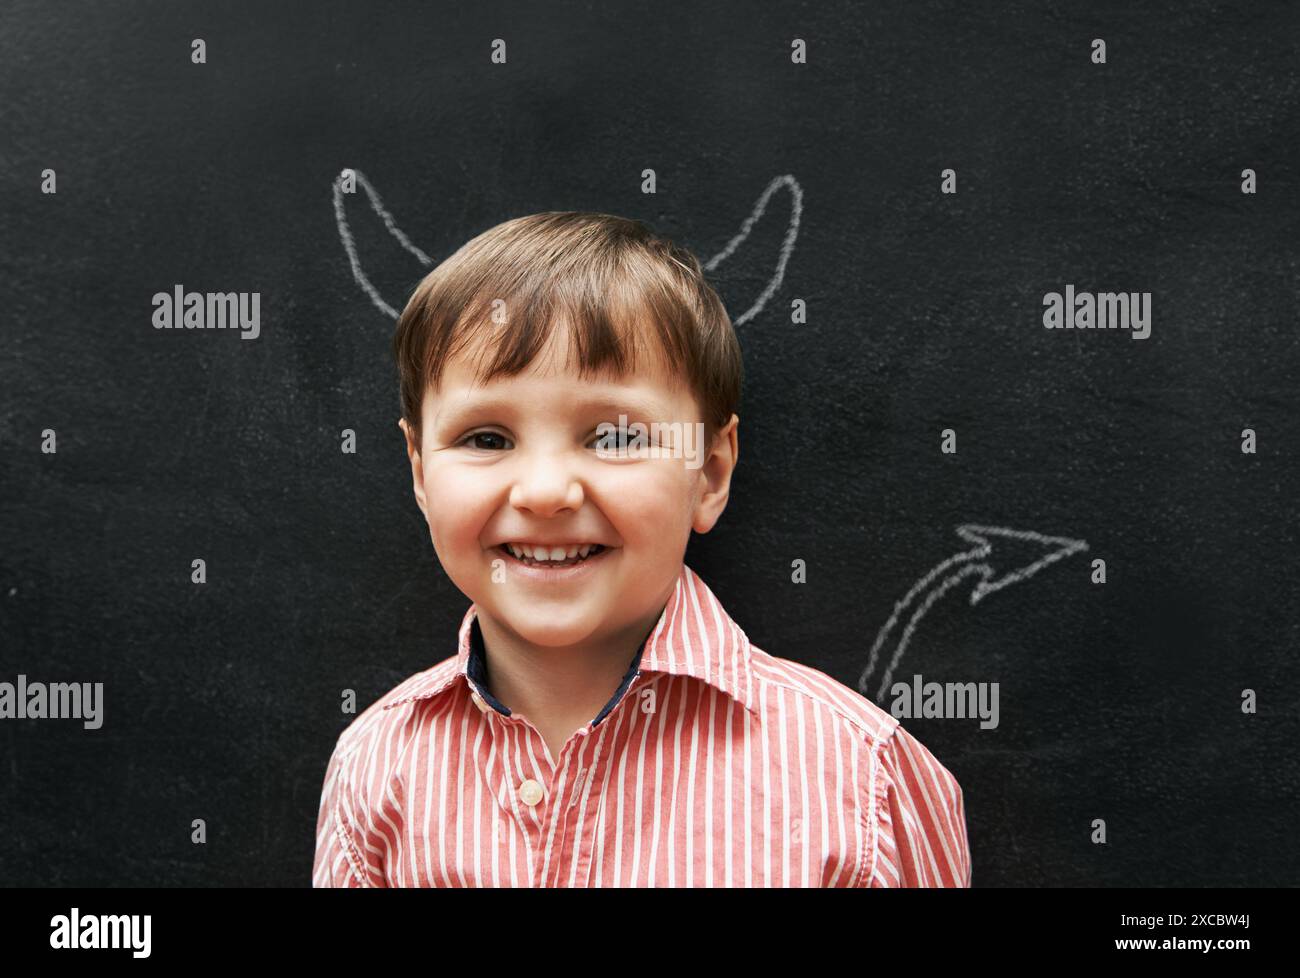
(922, 312)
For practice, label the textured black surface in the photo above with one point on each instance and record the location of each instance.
(1118, 702)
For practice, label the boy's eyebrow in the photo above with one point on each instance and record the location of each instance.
(631, 404)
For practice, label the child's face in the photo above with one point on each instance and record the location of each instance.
(516, 461)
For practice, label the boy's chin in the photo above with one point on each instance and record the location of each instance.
(544, 631)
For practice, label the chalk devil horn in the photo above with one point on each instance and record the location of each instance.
(350, 246)
(787, 246)
(376, 204)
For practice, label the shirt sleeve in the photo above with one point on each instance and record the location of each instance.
(340, 850)
(920, 818)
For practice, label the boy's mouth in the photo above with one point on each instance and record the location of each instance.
(546, 558)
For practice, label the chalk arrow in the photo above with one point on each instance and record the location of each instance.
(949, 573)
(377, 205)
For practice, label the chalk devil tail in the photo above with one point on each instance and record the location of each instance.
(977, 563)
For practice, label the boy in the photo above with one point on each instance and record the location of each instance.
(604, 722)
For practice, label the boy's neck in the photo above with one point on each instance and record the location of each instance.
(559, 687)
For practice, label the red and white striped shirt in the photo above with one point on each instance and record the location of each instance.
(714, 764)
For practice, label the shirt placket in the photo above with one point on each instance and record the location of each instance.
(577, 811)
(533, 801)
(555, 802)
(581, 804)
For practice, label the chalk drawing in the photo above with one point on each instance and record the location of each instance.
(377, 205)
(969, 563)
(350, 246)
(787, 246)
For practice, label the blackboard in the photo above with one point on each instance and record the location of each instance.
(923, 310)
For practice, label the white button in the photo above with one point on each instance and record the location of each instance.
(530, 792)
(478, 701)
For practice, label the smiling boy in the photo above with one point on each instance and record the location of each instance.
(604, 722)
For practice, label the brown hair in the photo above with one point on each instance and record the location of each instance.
(610, 278)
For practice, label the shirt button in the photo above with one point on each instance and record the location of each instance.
(530, 792)
(478, 701)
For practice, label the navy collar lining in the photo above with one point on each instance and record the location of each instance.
(476, 670)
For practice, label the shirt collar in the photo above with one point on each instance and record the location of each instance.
(693, 637)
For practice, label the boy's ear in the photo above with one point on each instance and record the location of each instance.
(417, 470)
(723, 456)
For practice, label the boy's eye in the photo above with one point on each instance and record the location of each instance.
(473, 440)
(613, 439)
(468, 439)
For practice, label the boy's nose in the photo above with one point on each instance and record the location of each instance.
(545, 488)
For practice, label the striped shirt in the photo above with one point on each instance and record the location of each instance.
(714, 764)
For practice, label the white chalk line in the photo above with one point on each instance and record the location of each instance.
(787, 245)
(350, 246)
(1062, 547)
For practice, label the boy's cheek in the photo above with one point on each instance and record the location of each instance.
(659, 496)
(455, 491)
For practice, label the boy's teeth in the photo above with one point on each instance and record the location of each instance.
(551, 553)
